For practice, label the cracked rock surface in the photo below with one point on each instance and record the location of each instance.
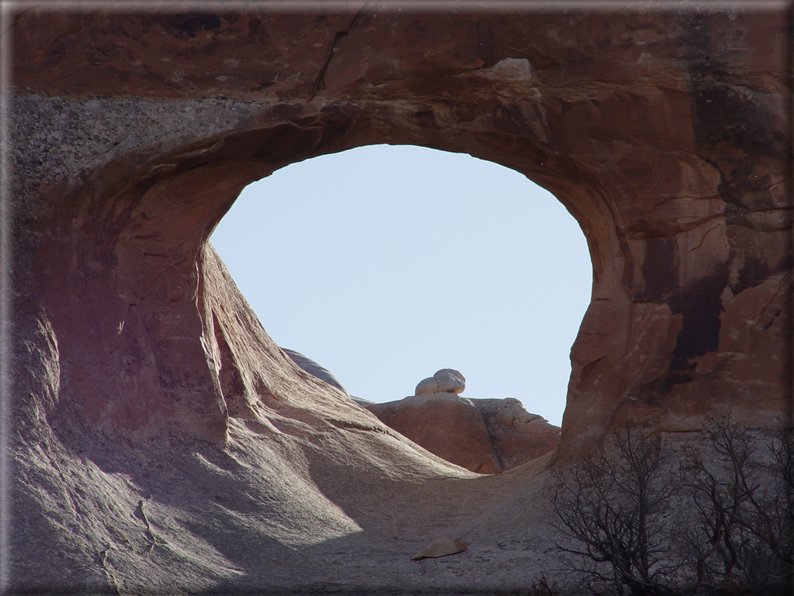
(161, 441)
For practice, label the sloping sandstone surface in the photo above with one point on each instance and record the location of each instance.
(516, 435)
(160, 439)
(315, 369)
(482, 435)
(308, 493)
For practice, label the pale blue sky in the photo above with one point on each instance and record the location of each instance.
(387, 263)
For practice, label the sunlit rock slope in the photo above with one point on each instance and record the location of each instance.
(161, 441)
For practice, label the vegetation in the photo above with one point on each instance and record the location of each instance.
(641, 519)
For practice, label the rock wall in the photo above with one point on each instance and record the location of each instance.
(665, 134)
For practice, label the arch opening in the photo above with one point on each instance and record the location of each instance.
(134, 133)
(155, 232)
(152, 279)
(385, 263)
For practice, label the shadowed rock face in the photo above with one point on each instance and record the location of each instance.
(663, 133)
(667, 148)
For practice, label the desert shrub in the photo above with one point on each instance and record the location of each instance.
(741, 534)
(610, 506)
(639, 518)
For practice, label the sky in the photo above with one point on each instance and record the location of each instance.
(387, 263)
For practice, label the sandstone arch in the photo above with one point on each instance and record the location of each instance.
(672, 165)
(663, 133)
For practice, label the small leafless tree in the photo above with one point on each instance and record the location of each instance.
(742, 538)
(777, 524)
(611, 507)
(724, 527)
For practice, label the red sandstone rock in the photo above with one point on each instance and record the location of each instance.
(668, 148)
(516, 435)
(665, 133)
(444, 424)
(482, 435)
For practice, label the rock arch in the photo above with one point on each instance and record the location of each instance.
(663, 133)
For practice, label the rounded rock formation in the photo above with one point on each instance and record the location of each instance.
(664, 133)
(486, 436)
(444, 424)
(446, 380)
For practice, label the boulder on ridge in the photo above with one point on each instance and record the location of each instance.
(446, 380)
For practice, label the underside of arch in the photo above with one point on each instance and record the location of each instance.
(669, 152)
(152, 413)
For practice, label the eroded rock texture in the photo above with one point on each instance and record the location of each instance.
(315, 369)
(444, 424)
(482, 435)
(516, 435)
(147, 397)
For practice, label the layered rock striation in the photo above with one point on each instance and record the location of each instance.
(153, 414)
(670, 151)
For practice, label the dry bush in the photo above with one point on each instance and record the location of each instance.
(639, 518)
(611, 507)
(741, 538)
